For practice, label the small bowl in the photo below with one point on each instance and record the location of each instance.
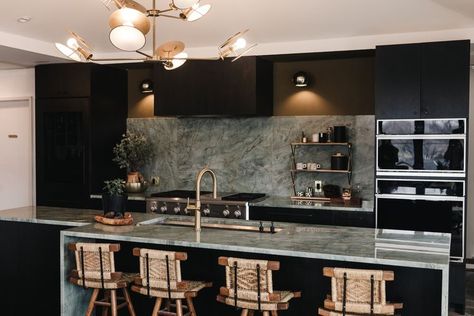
(138, 187)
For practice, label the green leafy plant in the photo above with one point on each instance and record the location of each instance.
(114, 187)
(133, 151)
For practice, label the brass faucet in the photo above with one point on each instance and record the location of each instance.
(197, 207)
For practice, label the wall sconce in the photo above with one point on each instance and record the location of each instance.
(301, 79)
(146, 86)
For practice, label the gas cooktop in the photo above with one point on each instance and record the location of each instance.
(230, 205)
(185, 194)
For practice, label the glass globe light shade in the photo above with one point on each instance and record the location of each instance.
(184, 4)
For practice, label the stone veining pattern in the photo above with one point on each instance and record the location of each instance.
(253, 154)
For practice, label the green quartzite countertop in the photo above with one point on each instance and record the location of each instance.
(58, 215)
(367, 245)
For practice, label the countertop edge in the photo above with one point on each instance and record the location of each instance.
(276, 252)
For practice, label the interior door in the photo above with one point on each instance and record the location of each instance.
(16, 162)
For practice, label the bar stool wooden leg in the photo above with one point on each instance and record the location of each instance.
(266, 313)
(157, 307)
(90, 307)
(131, 310)
(189, 301)
(251, 312)
(245, 312)
(179, 308)
(113, 302)
(274, 313)
(105, 309)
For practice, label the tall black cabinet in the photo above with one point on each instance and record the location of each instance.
(81, 112)
(426, 81)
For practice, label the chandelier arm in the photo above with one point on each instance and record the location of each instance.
(144, 54)
(171, 16)
(116, 59)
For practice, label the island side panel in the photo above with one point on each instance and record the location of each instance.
(74, 299)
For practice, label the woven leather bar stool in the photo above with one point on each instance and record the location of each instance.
(249, 285)
(160, 277)
(95, 269)
(357, 292)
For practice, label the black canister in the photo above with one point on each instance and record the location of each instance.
(339, 161)
(340, 134)
(323, 137)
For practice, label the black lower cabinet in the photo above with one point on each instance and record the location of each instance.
(457, 287)
(312, 216)
(132, 205)
(30, 269)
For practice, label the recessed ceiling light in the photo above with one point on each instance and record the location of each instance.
(24, 19)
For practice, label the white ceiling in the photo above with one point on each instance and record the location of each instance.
(318, 23)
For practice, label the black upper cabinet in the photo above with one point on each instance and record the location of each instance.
(244, 87)
(397, 85)
(75, 134)
(63, 80)
(445, 81)
(427, 80)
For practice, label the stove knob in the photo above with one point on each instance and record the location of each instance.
(206, 211)
(226, 212)
(237, 214)
(154, 207)
(177, 209)
(164, 209)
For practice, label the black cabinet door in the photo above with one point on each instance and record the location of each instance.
(445, 79)
(62, 142)
(215, 88)
(397, 81)
(63, 80)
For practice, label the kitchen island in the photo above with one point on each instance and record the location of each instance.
(420, 260)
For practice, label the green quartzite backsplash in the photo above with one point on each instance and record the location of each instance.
(253, 154)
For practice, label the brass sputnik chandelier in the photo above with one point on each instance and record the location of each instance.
(131, 22)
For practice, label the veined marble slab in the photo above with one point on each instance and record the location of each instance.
(354, 244)
(58, 215)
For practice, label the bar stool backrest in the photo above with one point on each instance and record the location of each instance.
(360, 291)
(249, 279)
(95, 261)
(160, 269)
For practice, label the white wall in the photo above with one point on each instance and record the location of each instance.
(19, 83)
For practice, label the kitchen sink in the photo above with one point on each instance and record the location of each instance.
(219, 224)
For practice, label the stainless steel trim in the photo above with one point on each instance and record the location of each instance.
(420, 180)
(246, 228)
(414, 120)
(420, 197)
(422, 136)
(420, 173)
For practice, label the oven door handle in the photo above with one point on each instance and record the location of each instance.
(420, 197)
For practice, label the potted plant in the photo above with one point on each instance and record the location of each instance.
(114, 199)
(132, 153)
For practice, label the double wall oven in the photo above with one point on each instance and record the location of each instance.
(421, 177)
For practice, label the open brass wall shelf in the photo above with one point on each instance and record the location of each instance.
(295, 171)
